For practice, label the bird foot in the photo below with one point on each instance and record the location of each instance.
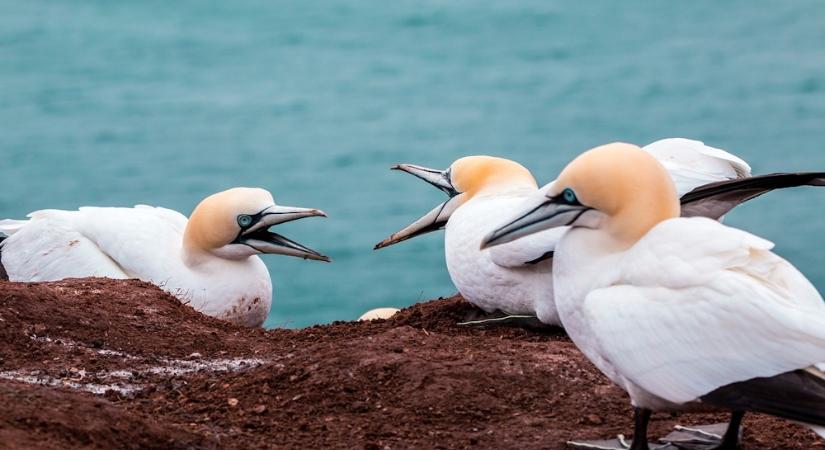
(620, 443)
(702, 437)
(495, 318)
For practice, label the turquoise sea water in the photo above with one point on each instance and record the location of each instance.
(118, 103)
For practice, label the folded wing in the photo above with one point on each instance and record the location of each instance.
(692, 163)
(102, 242)
(700, 306)
(714, 200)
(529, 250)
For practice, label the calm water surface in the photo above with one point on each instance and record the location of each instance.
(118, 103)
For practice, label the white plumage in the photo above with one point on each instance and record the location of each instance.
(680, 312)
(217, 273)
(104, 242)
(693, 306)
(509, 277)
(500, 278)
(693, 163)
(141, 242)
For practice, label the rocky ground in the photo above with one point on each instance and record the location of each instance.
(119, 364)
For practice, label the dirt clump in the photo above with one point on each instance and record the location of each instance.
(101, 363)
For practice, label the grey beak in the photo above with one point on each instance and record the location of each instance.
(437, 218)
(546, 215)
(437, 178)
(259, 237)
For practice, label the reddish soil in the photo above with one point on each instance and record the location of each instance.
(119, 364)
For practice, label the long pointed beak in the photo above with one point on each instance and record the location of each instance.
(432, 221)
(548, 214)
(259, 237)
(438, 178)
(277, 214)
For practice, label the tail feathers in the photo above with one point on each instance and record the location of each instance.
(11, 226)
(714, 200)
(798, 396)
(818, 430)
(3, 274)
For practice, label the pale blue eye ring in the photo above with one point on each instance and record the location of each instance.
(244, 220)
(569, 196)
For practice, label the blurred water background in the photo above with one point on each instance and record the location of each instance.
(118, 103)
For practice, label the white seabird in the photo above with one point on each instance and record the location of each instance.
(483, 189)
(208, 261)
(682, 313)
(516, 278)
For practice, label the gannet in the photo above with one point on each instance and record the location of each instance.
(208, 261)
(482, 190)
(683, 313)
(516, 278)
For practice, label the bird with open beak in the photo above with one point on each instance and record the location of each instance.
(514, 281)
(506, 281)
(209, 260)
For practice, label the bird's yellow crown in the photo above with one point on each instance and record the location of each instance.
(474, 174)
(213, 223)
(626, 184)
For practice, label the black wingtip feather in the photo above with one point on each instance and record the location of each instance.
(3, 274)
(797, 395)
(760, 182)
(714, 200)
(544, 257)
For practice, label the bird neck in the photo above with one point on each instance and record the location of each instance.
(505, 187)
(635, 219)
(194, 256)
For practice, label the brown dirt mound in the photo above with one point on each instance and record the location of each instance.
(119, 364)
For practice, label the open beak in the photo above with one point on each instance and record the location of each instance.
(438, 178)
(259, 237)
(548, 213)
(433, 220)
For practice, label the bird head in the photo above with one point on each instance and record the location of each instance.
(234, 224)
(465, 179)
(616, 187)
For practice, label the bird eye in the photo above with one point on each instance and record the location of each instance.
(569, 196)
(244, 220)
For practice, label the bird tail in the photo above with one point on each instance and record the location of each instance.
(7, 228)
(3, 274)
(798, 396)
(714, 200)
(818, 430)
(11, 226)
